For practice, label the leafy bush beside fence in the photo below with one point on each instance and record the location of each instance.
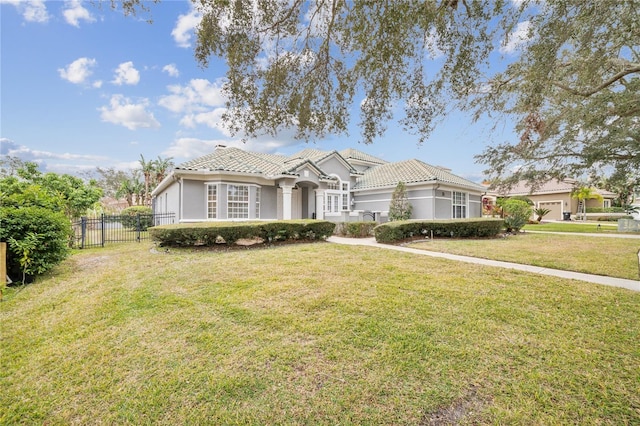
(228, 233)
(459, 228)
(131, 215)
(51, 231)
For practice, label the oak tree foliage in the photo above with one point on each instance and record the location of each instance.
(573, 84)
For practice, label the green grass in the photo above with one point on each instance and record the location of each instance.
(313, 334)
(588, 227)
(614, 257)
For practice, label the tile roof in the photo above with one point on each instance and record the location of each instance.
(237, 160)
(383, 175)
(409, 171)
(552, 187)
(312, 154)
(354, 154)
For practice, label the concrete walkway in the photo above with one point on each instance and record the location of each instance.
(598, 279)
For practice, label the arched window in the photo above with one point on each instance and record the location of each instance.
(337, 196)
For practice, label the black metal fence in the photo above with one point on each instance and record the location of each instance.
(96, 232)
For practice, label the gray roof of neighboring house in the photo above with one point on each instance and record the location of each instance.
(409, 171)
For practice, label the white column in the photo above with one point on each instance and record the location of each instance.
(286, 202)
(319, 204)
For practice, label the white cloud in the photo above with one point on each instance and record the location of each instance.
(212, 119)
(172, 70)
(76, 162)
(31, 10)
(198, 95)
(78, 71)
(130, 115)
(188, 148)
(185, 27)
(192, 147)
(97, 84)
(126, 74)
(75, 12)
(520, 36)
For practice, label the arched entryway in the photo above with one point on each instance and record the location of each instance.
(303, 204)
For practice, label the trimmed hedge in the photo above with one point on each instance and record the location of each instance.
(228, 233)
(355, 229)
(459, 228)
(605, 209)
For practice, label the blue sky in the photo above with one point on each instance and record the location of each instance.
(83, 86)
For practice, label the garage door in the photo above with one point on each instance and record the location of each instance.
(555, 207)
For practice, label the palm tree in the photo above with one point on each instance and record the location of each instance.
(541, 212)
(162, 167)
(148, 169)
(583, 194)
(126, 191)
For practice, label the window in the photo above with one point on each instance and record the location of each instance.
(212, 201)
(258, 202)
(237, 201)
(337, 196)
(459, 205)
(606, 204)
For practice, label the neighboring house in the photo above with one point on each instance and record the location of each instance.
(350, 185)
(557, 197)
(635, 201)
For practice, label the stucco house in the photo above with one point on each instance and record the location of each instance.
(555, 195)
(349, 185)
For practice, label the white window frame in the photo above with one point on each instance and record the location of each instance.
(459, 205)
(210, 203)
(337, 196)
(257, 201)
(237, 206)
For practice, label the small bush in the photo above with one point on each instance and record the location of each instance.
(52, 231)
(130, 217)
(228, 233)
(516, 214)
(459, 228)
(605, 209)
(355, 229)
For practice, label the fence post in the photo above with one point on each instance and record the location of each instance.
(102, 228)
(83, 232)
(138, 227)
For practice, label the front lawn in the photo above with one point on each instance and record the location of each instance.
(614, 257)
(583, 227)
(313, 334)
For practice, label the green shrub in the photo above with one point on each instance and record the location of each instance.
(355, 229)
(612, 218)
(516, 214)
(605, 209)
(459, 228)
(131, 215)
(228, 233)
(51, 229)
(360, 229)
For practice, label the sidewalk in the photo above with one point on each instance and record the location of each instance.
(597, 279)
